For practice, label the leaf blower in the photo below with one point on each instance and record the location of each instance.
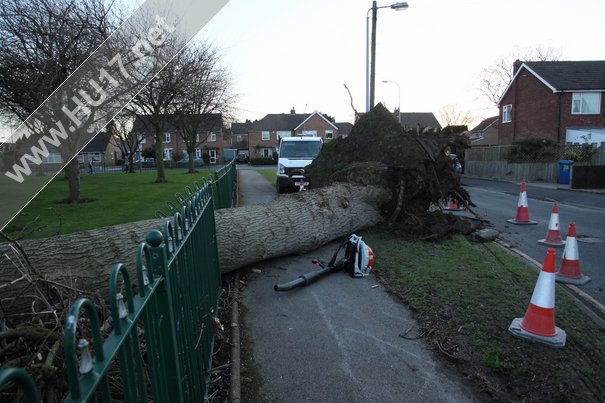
(357, 262)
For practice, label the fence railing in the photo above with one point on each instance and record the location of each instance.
(224, 191)
(162, 336)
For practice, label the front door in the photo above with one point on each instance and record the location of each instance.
(212, 154)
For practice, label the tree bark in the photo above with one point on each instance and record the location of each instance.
(294, 223)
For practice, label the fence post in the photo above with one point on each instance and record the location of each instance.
(164, 325)
(24, 380)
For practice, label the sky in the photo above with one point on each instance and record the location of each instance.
(285, 54)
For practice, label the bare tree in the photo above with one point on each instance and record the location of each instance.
(494, 78)
(156, 102)
(41, 44)
(122, 135)
(207, 94)
(452, 115)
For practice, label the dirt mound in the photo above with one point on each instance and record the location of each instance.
(415, 166)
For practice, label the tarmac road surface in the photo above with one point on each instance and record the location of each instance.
(337, 340)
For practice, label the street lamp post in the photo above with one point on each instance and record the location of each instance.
(398, 97)
(371, 74)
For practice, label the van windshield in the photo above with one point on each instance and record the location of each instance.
(299, 149)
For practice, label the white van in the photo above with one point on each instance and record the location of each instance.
(294, 155)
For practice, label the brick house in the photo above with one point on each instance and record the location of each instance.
(210, 139)
(560, 100)
(239, 136)
(264, 134)
(485, 133)
(99, 149)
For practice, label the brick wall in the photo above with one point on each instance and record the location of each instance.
(536, 111)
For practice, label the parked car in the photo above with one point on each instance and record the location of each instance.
(242, 159)
(186, 159)
(456, 165)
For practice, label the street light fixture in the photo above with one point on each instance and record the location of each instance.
(398, 97)
(371, 74)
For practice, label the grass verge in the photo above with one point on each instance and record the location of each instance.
(269, 174)
(108, 199)
(466, 295)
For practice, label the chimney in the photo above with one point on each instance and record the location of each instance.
(517, 63)
(292, 111)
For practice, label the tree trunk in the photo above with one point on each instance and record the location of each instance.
(191, 163)
(72, 170)
(246, 235)
(159, 160)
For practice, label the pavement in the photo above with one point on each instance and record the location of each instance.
(337, 340)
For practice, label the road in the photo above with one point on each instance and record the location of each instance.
(497, 202)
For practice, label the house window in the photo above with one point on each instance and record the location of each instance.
(167, 154)
(53, 158)
(197, 137)
(283, 133)
(265, 135)
(198, 153)
(329, 134)
(506, 113)
(142, 139)
(586, 103)
(212, 136)
(166, 137)
(266, 152)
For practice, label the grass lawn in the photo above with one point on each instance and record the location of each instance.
(109, 199)
(466, 295)
(269, 174)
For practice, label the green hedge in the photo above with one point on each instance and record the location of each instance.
(263, 161)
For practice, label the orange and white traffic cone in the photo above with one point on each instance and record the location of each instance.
(569, 271)
(453, 206)
(553, 235)
(538, 324)
(522, 217)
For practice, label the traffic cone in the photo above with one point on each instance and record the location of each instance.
(569, 271)
(538, 324)
(453, 206)
(553, 235)
(522, 217)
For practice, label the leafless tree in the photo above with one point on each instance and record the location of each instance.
(207, 93)
(157, 101)
(122, 135)
(453, 115)
(42, 42)
(494, 78)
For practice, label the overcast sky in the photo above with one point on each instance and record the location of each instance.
(287, 53)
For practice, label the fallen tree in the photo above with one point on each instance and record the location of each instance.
(245, 235)
(379, 171)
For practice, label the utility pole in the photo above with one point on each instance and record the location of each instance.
(373, 55)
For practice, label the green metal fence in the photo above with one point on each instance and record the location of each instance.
(162, 335)
(224, 191)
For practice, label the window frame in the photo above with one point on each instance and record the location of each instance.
(266, 133)
(574, 95)
(507, 113)
(167, 138)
